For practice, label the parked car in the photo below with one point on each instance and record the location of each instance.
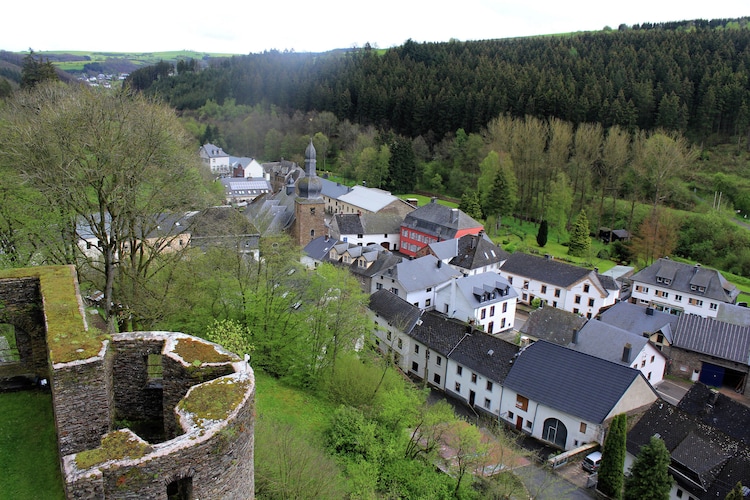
(592, 462)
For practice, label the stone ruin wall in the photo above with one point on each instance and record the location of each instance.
(90, 394)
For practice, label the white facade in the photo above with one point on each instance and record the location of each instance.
(216, 159)
(651, 363)
(547, 424)
(422, 357)
(474, 388)
(391, 341)
(389, 241)
(485, 299)
(665, 299)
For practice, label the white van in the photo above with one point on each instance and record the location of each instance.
(592, 462)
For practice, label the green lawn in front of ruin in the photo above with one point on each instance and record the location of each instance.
(28, 447)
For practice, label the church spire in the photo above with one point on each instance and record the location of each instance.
(310, 186)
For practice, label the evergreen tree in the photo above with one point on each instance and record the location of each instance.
(470, 204)
(541, 235)
(502, 197)
(649, 477)
(402, 166)
(736, 493)
(580, 241)
(611, 476)
(35, 71)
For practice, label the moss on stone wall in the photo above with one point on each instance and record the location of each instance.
(191, 350)
(214, 400)
(115, 446)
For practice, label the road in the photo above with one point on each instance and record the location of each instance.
(543, 484)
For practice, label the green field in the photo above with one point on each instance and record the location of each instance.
(29, 461)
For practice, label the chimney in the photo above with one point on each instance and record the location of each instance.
(649, 311)
(596, 270)
(439, 264)
(473, 241)
(575, 336)
(626, 353)
(454, 215)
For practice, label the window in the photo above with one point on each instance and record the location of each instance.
(679, 493)
(458, 387)
(416, 348)
(641, 288)
(154, 368)
(591, 302)
(483, 313)
(489, 386)
(575, 310)
(414, 366)
(522, 403)
(400, 343)
(427, 302)
(474, 378)
(557, 292)
(678, 298)
(586, 288)
(544, 288)
(577, 299)
(487, 403)
(652, 358)
(660, 293)
(643, 363)
(695, 302)
(505, 307)
(439, 361)
(436, 378)
(525, 284)
(582, 429)
(510, 279)
(429, 289)
(491, 326)
(713, 306)
(492, 311)
(459, 370)
(528, 424)
(510, 415)
(388, 336)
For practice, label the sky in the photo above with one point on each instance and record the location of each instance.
(242, 27)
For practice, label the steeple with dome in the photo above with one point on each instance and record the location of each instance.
(310, 186)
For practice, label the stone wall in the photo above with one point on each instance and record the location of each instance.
(20, 306)
(683, 364)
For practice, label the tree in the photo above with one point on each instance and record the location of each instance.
(580, 241)
(559, 203)
(402, 166)
(35, 71)
(502, 197)
(649, 477)
(660, 158)
(611, 477)
(470, 204)
(736, 493)
(114, 160)
(657, 235)
(541, 235)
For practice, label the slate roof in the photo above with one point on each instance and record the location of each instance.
(395, 310)
(553, 324)
(730, 313)
(213, 151)
(546, 270)
(319, 247)
(718, 410)
(271, 213)
(682, 276)
(706, 462)
(637, 320)
(440, 333)
(475, 252)
(334, 189)
(608, 342)
(438, 220)
(570, 381)
(715, 338)
(485, 354)
(421, 273)
(347, 224)
(476, 286)
(380, 223)
(369, 199)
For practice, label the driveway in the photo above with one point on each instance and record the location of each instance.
(671, 391)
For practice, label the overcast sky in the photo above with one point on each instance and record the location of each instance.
(241, 27)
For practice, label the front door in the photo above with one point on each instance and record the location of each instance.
(519, 423)
(472, 396)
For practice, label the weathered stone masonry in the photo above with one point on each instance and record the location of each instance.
(203, 397)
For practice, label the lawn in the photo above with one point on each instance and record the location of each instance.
(28, 448)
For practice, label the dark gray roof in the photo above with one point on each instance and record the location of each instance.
(569, 381)
(334, 189)
(608, 342)
(477, 251)
(553, 324)
(395, 310)
(271, 213)
(347, 224)
(489, 356)
(439, 221)
(421, 273)
(319, 247)
(440, 333)
(213, 151)
(712, 337)
(636, 319)
(608, 282)
(706, 462)
(546, 270)
(714, 408)
(379, 223)
(684, 277)
(731, 313)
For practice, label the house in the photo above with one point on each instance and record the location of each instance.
(657, 326)
(608, 235)
(707, 438)
(679, 288)
(551, 324)
(215, 159)
(433, 222)
(363, 229)
(415, 280)
(565, 286)
(477, 368)
(316, 252)
(567, 398)
(241, 190)
(248, 168)
(281, 173)
(486, 300)
(342, 199)
(363, 262)
(470, 254)
(394, 319)
(711, 351)
(620, 346)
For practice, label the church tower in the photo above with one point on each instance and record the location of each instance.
(309, 207)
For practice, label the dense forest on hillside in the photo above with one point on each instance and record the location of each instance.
(692, 77)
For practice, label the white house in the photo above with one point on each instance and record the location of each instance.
(394, 320)
(486, 300)
(565, 286)
(469, 254)
(215, 158)
(567, 398)
(365, 229)
(415, 280)
(680, 288)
